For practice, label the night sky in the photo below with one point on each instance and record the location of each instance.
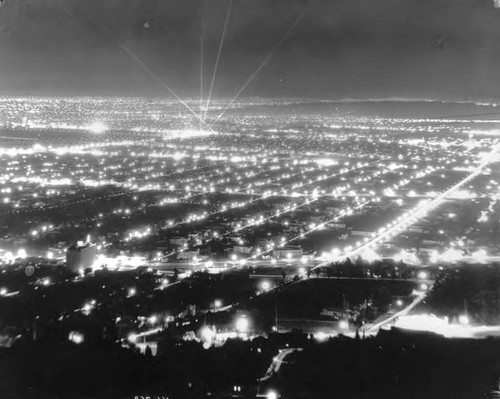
(448, 49)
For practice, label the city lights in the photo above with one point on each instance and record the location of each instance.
(239, 201)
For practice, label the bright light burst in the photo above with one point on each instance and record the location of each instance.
(97, 128)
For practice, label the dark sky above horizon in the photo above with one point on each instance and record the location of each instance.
(340, 48)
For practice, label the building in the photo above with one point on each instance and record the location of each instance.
(416, 229)
(188, 255)
(179, 242)
(81, 256)
(242, 249)
(288, 252)
(335, 225)
(362, 233)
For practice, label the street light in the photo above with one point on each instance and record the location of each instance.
(422, 275)
(87, 308)
(321, 336)
(132, 338)
(272, 395)
(265, 285)
(242, 324)
(207, 334)
(76, 337)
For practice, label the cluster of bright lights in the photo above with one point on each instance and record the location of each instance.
(76, 337)
(242, 325)
(255, 172)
